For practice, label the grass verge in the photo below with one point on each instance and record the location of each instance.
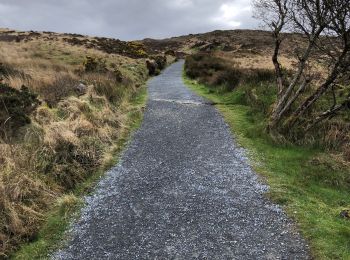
(68, 206)
(309, 184)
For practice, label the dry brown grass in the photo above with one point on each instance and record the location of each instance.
(70, 136)
(24, 196)
(254, 61)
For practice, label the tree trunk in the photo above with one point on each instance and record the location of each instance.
(320, 91)
(277, 65)
(276, 113)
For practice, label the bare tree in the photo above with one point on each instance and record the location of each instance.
(325, 26)
(274, 14)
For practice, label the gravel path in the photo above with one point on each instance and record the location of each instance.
(183, 190)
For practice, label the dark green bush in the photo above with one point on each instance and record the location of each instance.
(152, 67)
(156, 64)
(161, 61)
(92, 64)
(15, 108)
(226, 78)
(203, 65)
(215, 71)
(255, 76)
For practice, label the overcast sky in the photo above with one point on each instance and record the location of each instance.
(127, 19)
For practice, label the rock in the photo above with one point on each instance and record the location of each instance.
(152, 67)
(81, 89)
(345, 214)
(156, 64)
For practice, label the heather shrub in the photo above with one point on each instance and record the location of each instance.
(15, 108)
(161, 61)
(92, 64)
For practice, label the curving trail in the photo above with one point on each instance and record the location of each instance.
(183, 190)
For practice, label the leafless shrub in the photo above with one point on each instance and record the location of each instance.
(326, 27)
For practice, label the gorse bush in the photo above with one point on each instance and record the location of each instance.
(136, 49)
(15, 108)
(93, 64)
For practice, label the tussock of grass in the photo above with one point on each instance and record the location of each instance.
(312, 185)
(67, 207)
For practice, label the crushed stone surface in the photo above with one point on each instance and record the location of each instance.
(182, 190)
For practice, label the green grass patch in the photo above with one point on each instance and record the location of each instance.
(52, 234)
(306, 181)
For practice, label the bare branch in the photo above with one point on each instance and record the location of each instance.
(325, 24)
(329, 113)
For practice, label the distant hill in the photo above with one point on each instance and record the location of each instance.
(253, 41)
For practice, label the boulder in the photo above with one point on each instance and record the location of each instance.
(152, 67)
(81, 89)
(345, 214)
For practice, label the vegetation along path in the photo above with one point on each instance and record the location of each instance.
(182, 190)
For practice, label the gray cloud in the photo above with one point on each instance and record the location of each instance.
(127, 19)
